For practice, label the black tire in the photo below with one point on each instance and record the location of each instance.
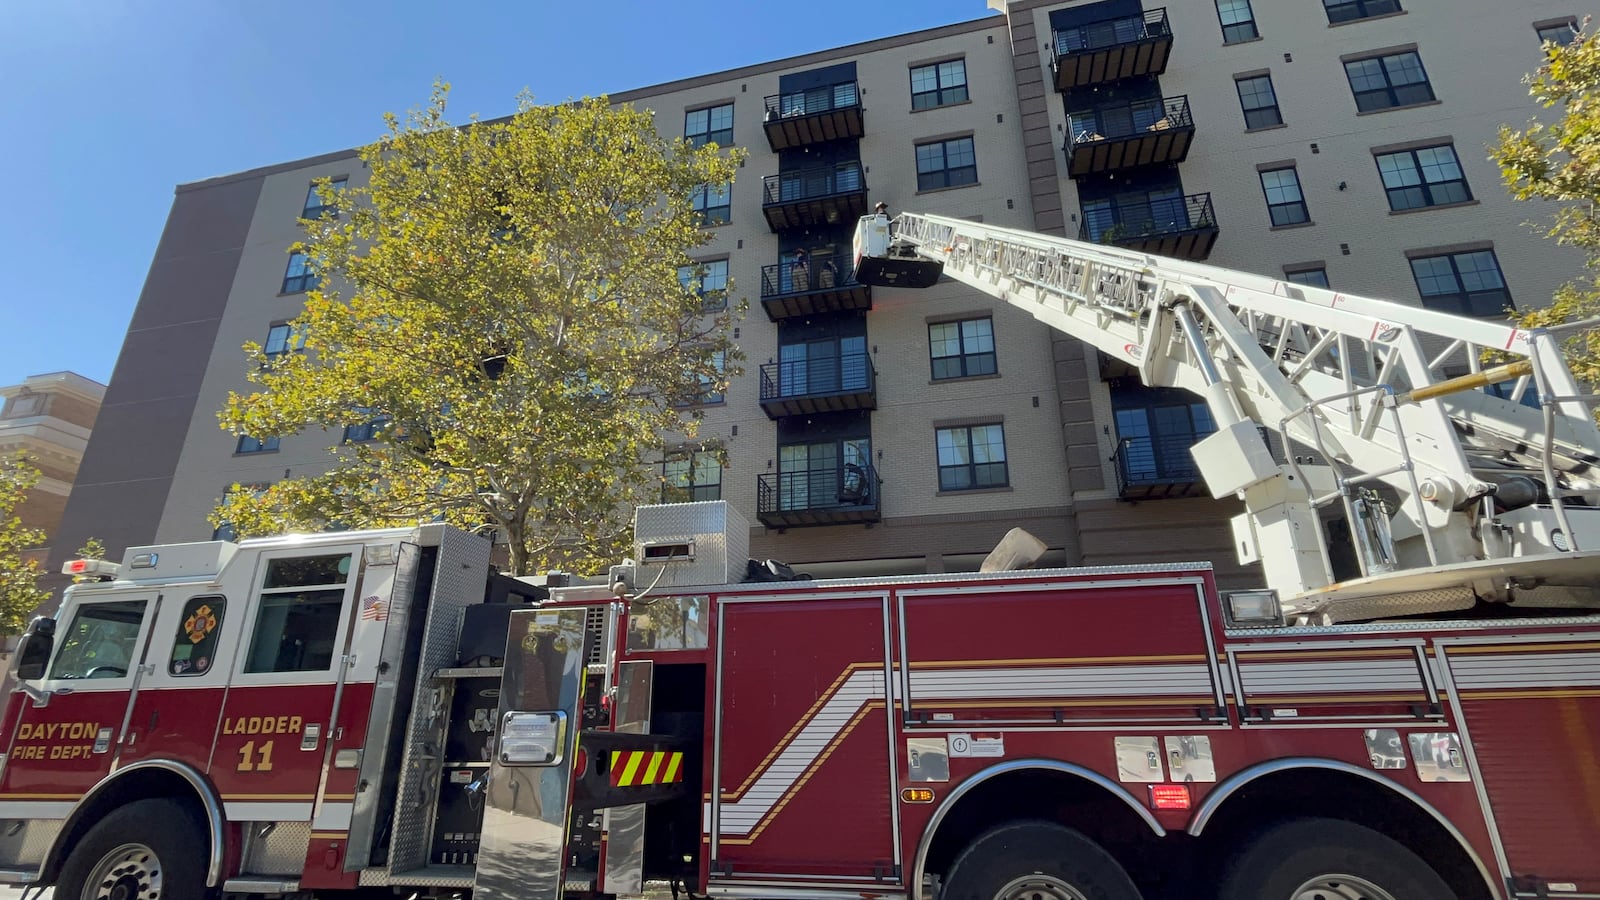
(1286, 858)
(1061, 857)
(154, 837)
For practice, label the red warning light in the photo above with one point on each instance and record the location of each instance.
(1169, 796)
(78, 567)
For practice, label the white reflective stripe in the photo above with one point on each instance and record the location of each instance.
(1523, 670)
(1328, 677)
(36, 809)
(1155, 680)
(333, 816)
(268, 812)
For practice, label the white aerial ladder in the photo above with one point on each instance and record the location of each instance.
(1447, 494)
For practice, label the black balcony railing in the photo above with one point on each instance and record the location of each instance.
(1171, 225)
(824, 195)
(820, 384)
(825, 284)
(1126, 135)
(830, 495)
(1157, 467)
(1112, 49)
(814, 115)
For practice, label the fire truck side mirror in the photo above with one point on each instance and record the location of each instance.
(33, 650)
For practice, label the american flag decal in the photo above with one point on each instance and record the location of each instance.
(374, 608)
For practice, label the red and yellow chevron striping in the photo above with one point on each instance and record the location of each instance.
(635, 768)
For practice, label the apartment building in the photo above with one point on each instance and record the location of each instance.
(48, 419)
(1337, 142)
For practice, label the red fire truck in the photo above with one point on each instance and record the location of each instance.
(1409, 711)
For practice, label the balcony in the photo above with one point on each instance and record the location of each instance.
(818, 385)
(1157, 468)
(813, 116)
(826, 195)
(1113, 138)
(824, 496)
(1111, 50)
(1182, 227)
(828, 286)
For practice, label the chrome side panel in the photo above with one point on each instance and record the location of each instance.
(623, 870)
(380, 723)
(25, 847)
(521, 856)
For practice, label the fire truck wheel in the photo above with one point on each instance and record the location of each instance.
(1329, 859)
(147, 850)
(1036, 861)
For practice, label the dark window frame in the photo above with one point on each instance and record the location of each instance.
(1289, 275)
(314, 207)
(1568, 29)
(947, 176)
(1259, 112)
(294, 339)
(1462, 301)
(297, 595)
(1342, 11)
(248, 444)
(1389, 95)
(720, 214)
(968, 363)
(66, 665)
(941, 94)
(691, 490)
(968, 471)
(711, 299)
(299, 275)
(1238, 31)
(366, 431)
(1289, 208)
(1423, 188)
(710, 135)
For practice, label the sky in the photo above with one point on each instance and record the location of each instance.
(112, 103)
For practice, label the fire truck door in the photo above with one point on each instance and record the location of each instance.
(526, 805)
(268, 756)
(802, 759)
(61, 749)
(175, 712)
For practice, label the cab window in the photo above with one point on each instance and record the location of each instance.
(297, 623)
(101, 641)
(199, 628)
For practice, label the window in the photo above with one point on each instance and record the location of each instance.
(826, 474)
(1385, 82)
(1468, 283)
(943, 164)
(714, 202)
(101, 642)
(707, 391)
(1351, 10)
(688, 477)
(1430, 176)
(25, 405)
(1317, 277)
(1259, 101)
(299, 277)
(962, 349)
(314, 207)
(972, 457)
(1560, 33)
(284, 338)
(713, 286)
(1155, 429)
(939, 84)
(1285, 203)
(298, 621)
(248, 444)
(1238, 21)
(195, 648)
(225, 530)
(368, 430)
(713, 125)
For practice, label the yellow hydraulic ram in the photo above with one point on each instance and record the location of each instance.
(1468, 382)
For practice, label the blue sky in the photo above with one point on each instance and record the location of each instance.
(113, 102)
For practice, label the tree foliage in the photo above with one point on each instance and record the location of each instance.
(20, 593)
(1559, 161)
(501, 308)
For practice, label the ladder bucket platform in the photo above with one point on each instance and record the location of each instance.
(881, 262)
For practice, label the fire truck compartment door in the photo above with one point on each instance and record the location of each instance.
(529, 794)
(61, 749)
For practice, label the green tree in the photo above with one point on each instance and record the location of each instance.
(501, 311)
(20, 593)
(1559, 161)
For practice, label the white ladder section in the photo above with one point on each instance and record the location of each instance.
(1446, 493)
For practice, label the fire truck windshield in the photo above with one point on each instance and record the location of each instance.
(101, 640)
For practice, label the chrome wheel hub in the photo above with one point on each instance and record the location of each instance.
(1340, 887)
(130, 872)
(1041, 887)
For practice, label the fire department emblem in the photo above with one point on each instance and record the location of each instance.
(200, 624)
